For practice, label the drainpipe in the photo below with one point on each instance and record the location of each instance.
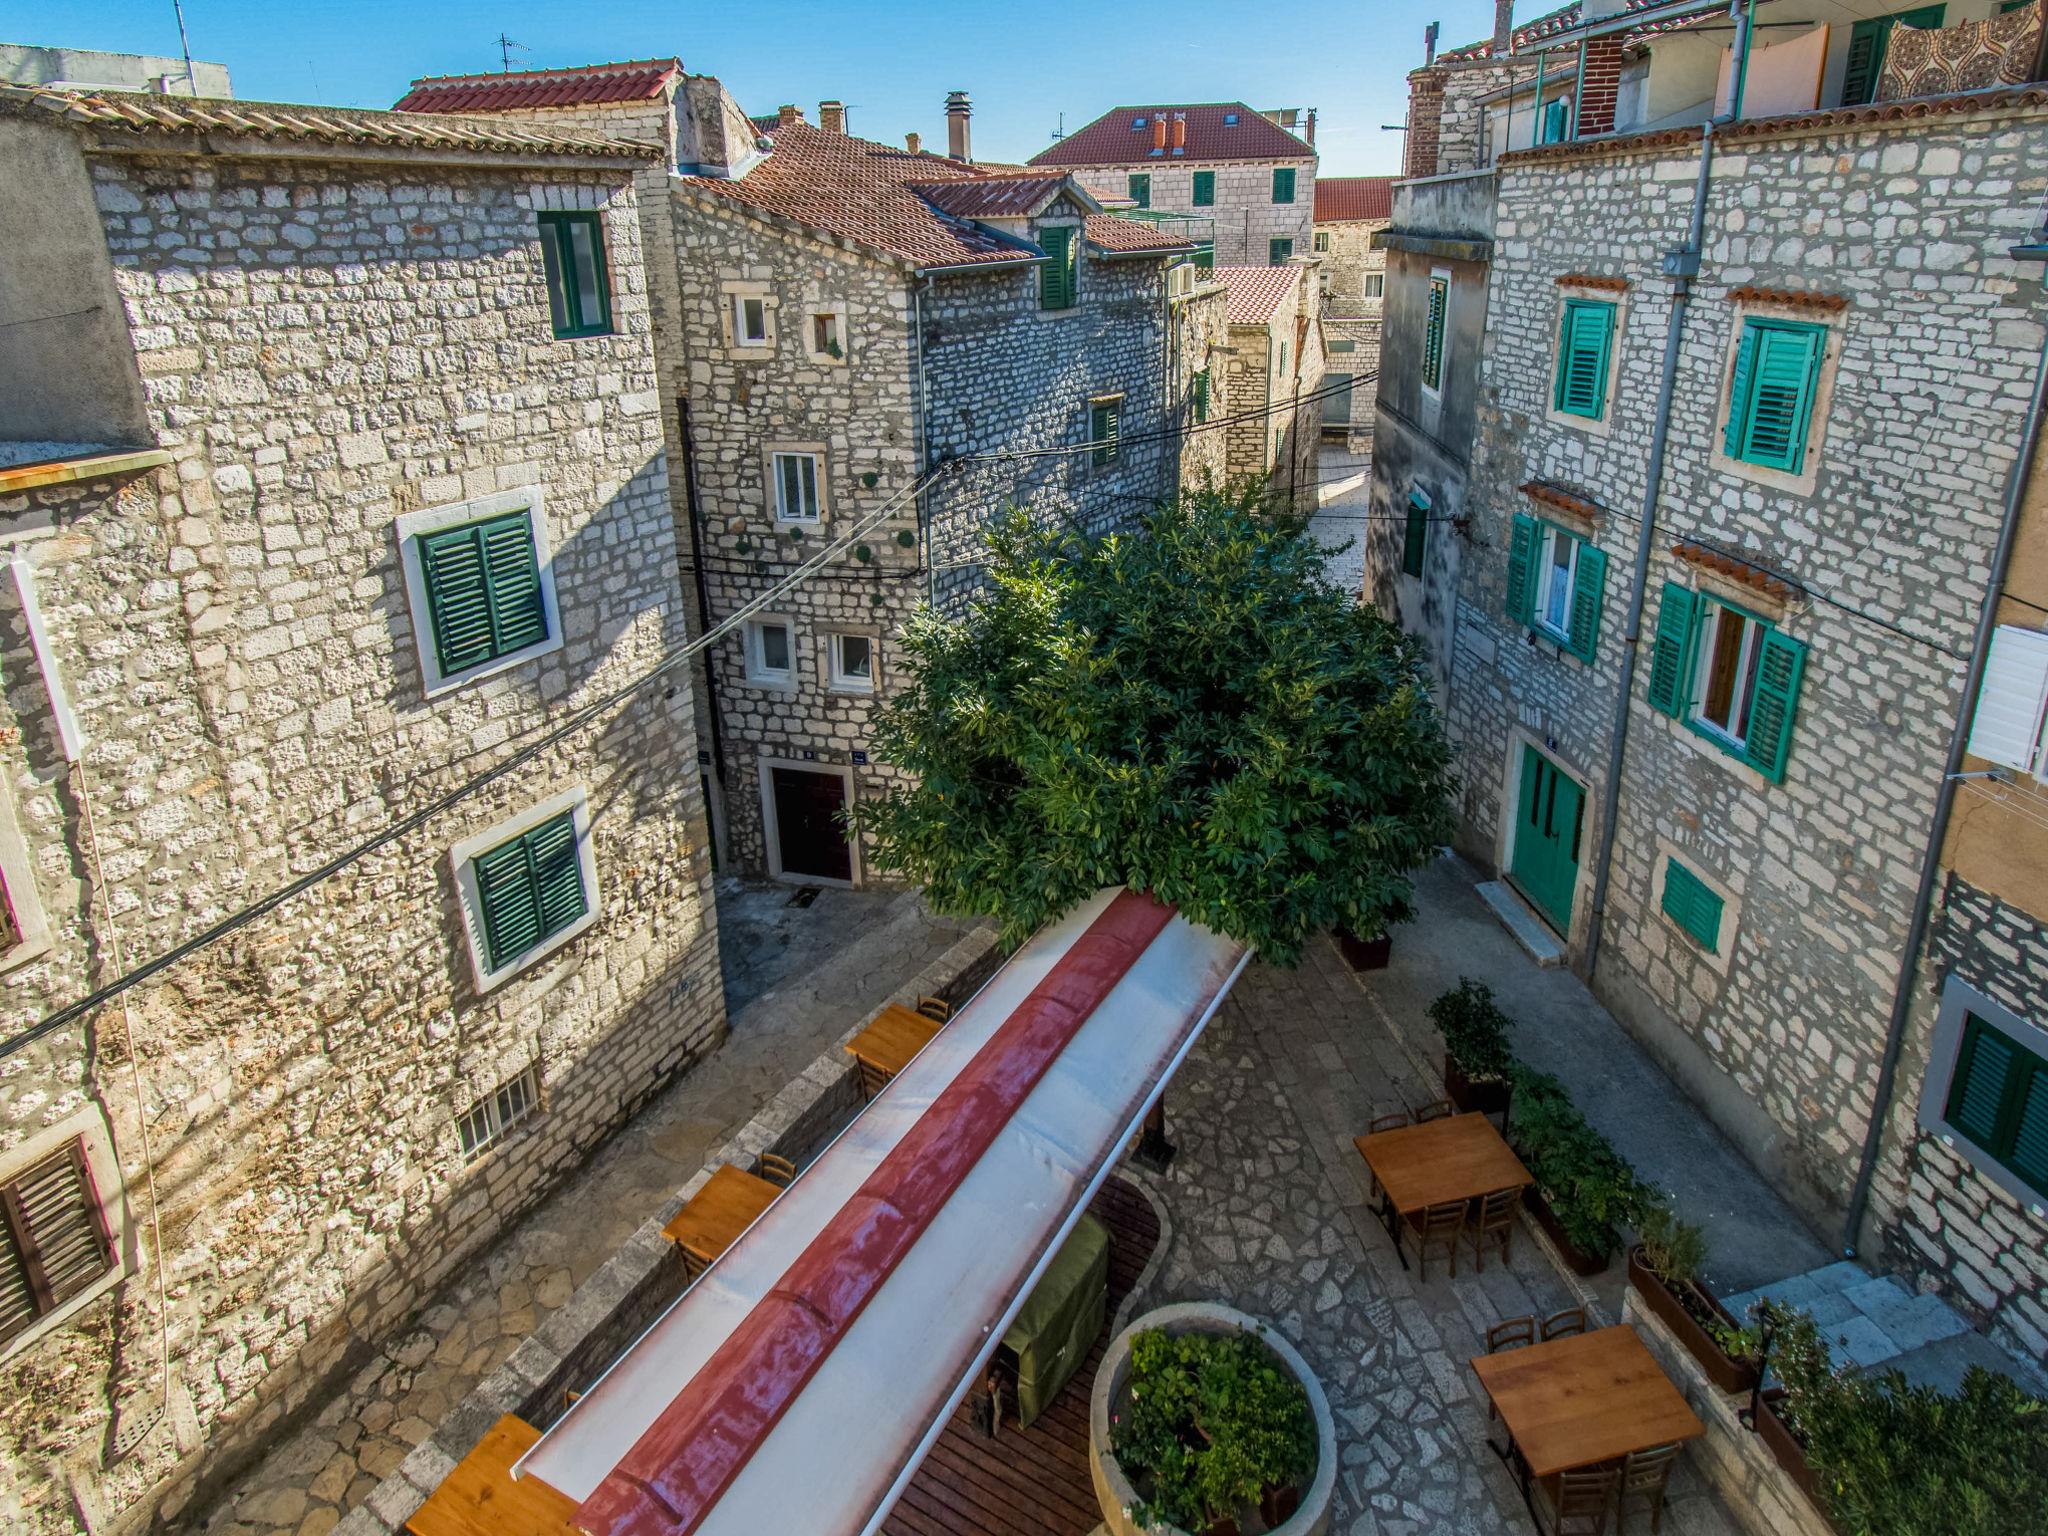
(1681, 266)
(1740, 82)
(1945, 798)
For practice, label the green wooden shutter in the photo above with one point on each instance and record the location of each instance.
(1278, 252)
(1141, 189)
(1866, 60)
(1555, 119)
(1583, 347)
(484, 596)
(1738, 392)
(1102, 432)
(519, 615)
(1589, 591)
(1671, 652)
(1780, 400)
(1205, 189)
(530, 888)
(557, 873)
(1978, 1091)
(1780, 664)
(1433, 333)
(1521, 568)
(1202, 395)
(1692, 906)
(1056, 276)
(1414, 545)
(1283, 184)
(2029, 1155)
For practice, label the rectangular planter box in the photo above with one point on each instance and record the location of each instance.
(1577, 1259)
(1478, 1098)
(1365, 954)
(1726, 1373)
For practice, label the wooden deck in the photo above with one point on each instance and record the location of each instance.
(1030, 1482)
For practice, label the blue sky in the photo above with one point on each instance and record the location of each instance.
(891, 61)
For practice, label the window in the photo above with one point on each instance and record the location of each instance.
(1375, 284)
(825, 338)
(1987, 1087)
(484, 1124)
(1202, 396)
(1102, 431)
(1433, 332)
(1341, 345)
(2012, 702)
(1322, 240)
(55, 1246)
(1770, 395)
(1279, 251)
(1690, 904)
(1583, 344)
(1057, 277)
(1141, 190)
(481, 585)
(768, 652)
(530, 888)
(1283, 184)
(1557, 584)
(1414, 542)
(1205, 189)
(1730, 675)
(572, 255)
(796, 487)
(852, 660)
(1230, 119)
(1205, 256)
(1868, 41)
(749, 320)
(1557, 116)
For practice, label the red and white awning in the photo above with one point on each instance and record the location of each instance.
(798, 1383)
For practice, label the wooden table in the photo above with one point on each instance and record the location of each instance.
(896, 1035)
(719, 1212)
(481, 1497)
(1584, 1399)
(1454, 1157)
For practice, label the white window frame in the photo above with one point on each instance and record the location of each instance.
(1546, 564)
(1443, 356)
(1742, 698)
(742, 335)
(836, 313)
(410, 527)
(2009, 726)
(780, 506)
(18, 888)
(111, 1192)
(1375, 285)
(1959, 998)
(462, 862)
(843, 681)
(758, 671)
(489, 1113)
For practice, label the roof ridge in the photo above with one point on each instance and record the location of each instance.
(488, 76)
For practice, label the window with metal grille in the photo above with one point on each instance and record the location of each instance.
(485, 1123)
(530, 889)
(54, 1241)
(579, 292)
(484, 594)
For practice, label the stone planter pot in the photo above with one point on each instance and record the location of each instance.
(1576, 1258)
(1725, 1371)
(1365, 954)
(1113, 1491)
(1488, 1096)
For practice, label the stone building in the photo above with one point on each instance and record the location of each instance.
(1275, 376)
(1349, 211)
(91, 69)
(1238, 181)
(333, 479)
(1726, 837)
(875, 343)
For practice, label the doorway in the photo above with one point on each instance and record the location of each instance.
(1544, 864)
(806, 839)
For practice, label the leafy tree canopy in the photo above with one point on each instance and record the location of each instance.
(1190, 709)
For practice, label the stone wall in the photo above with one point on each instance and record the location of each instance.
(1199, 343)
(323, 349)
(1352, 315)
(1246, 217)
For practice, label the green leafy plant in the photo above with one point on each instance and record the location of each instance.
(1188, 709)
(1475, 1030)
(1213, 1422)
(1590, 1188)
(1675, 1250)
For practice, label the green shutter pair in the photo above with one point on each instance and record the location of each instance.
(1102, 433)
(1415, 540)
(1202, 395)
(1999, 1099)
(1141, 189)
(1868, 43)
(1557, 120)
(1433, 333)
(530, 889)
(1057, 277)
(579, 289)
(1279, 252)
(1583, 346)
(1205, 189)
(1589, 584)
(1688, 903)
(1781, 665)
(1283, 184)
(484, 594)
(1770, 400)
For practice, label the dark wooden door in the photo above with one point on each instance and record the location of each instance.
(808, 833)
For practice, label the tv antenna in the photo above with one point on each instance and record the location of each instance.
(505, 47)
(1061, 131)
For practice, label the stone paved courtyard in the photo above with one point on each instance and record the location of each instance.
(1343, 498)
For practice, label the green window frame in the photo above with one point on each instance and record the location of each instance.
(1141, 188)
(1433, 334)
(1688, 902)
(1103, 419)
(1204, 257)
(1415, 538)
(1557, 117)
(1283, 184)
(1584, 347)
(1998, 1098)
(529, 888)
(1279, 251)
(1205, 190)
(1556, 584)
(1868, 42)
(1058, 275)
(1771, 392)
(485, 598)
(1766, 667)
(1202, 396)
(572, 255)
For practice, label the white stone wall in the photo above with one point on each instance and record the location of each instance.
(325, 348)
(1279, 429)
(1201, 341)
(1246, 217)
(1350, 315)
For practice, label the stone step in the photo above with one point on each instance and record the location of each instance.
(1530, 931)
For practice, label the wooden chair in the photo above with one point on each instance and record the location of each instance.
(1437, 1226)
(872, 1079)
(1435, 1109)
(1575, 1503)
(1392, 1122)
(692, 1265)
(1646, 1475)
(1493, 1222)
(1510, 1333)
(1561, 1324)
(935, 1008)
(777, 1170)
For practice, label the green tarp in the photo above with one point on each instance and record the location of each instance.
(1060, 1320)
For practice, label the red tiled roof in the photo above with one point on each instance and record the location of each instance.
(1129, 236)
(1537, 28)
(1340, 199)
(990, 197)
(1256, 293)
(1111, 140)
(582, 86)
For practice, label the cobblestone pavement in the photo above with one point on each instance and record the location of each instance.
(830, 964)
(1343, 496)
(1268, 1206)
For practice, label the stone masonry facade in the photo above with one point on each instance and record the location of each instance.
(327, 344)
(1354, 276)
(1246, 219)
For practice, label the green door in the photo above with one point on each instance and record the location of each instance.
(1545, 865)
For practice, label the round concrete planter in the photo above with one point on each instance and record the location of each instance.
(1113, 1491)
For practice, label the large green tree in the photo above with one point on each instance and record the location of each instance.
(1188, 708)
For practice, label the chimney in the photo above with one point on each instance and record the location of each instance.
(787, 114)
(1159, 134)
(1429, 45)
(832, 116)
(1180, 133)
(914, 142)
(1309, 133)
(1503, 25)
(959, 145)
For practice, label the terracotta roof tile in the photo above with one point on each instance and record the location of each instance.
(1537, 28)
(1111, 140)
(1131, 236)
(1791, 298)
(1736, 569)
(1556, 496)
(1341, 199)
(585, 85)
(990, 197)
(1256, 293)
(283, 122)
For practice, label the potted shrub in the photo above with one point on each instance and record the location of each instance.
(1585, 1190)
(1664, 1269)
(1365, 954)
(1476, 1056)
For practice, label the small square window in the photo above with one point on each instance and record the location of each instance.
(825, 338)
(1283, 184)
(527, 886)
(1230, 119)
(853, 663)
(1322, 239)
(1375, 285)
(1103, 435)
(749, 320)
(796, 487)
(1279, 252)
(1205, 189)
(572, 255)
(768, 652)
(479, 579)
(1985, 1095)
(487, 1122)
